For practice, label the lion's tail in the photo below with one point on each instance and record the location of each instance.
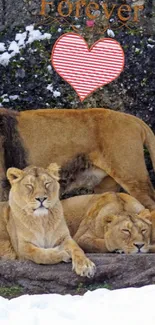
(149, 142)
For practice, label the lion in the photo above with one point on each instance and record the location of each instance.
(32, 224)
(109, 222)
(111, 141)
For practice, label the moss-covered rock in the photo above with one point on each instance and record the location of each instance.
(11, 291)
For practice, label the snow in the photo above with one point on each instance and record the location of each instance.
(14, 47)
(113, 307)
(5, 100)
(150, 45)
(49, 68)
(5, 58)
(20, 37)
(14, 97)
(36, 35)
(2, 47)
(21, 40)
(29, 28)
(56, 93)
(110, 33)
(50, 87)
(4, 95)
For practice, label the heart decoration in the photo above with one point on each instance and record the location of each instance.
(87, 69)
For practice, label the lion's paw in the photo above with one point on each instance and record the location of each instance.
(119, 251)
(83, 266)
(66, 257)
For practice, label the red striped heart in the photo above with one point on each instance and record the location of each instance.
(87, 69)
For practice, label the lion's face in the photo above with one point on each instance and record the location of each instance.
(34, 190)
(129, 233)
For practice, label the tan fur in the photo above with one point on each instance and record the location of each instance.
(108, 222)
(113, 142)
(32, 224)
(152, 246)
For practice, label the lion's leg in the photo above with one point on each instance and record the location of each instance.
(6, 251)
(108, 184)
(130, 172)
(140, 188)
(42, 255)
(91, 244)
(80, 263)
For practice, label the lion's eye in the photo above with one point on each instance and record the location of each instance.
(47, 184)
(144, 231)
(29, 186)
(126, 231)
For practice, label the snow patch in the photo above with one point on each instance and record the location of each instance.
(20, 37)
(49, 68)
(29, 28)
(14, 47)
(150, 45)
(113, 307)
(5, 58)
(14, 97)
(56, 93)
(50, 87)
(36, 35)
(110, 33)
(2, 47)
(20, 42)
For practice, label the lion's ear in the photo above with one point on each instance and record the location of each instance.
(146, 215)
(53, 170)
(14, 174)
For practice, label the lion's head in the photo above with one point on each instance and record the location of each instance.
(35, 190)
(128, 233)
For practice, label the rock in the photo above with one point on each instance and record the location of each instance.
(19, 12)
(113, 272)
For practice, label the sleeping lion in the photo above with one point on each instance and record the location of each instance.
(32, 224)
(112, 142)
(109, 222)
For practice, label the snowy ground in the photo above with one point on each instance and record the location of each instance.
(131, 306)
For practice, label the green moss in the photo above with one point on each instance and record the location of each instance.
(95, 286)
(53, 28)
(10, 292)
(83, 287)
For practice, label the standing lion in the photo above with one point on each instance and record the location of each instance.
(111, 141)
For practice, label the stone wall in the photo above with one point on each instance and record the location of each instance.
(22, 12)
(18, 12)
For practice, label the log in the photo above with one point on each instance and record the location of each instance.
(114, 271)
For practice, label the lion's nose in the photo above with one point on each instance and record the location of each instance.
(41, 199)
(139, 245)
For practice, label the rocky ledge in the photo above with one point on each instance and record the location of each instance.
(113, 272)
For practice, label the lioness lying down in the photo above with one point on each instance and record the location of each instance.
(108, 222)
(32, 224)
